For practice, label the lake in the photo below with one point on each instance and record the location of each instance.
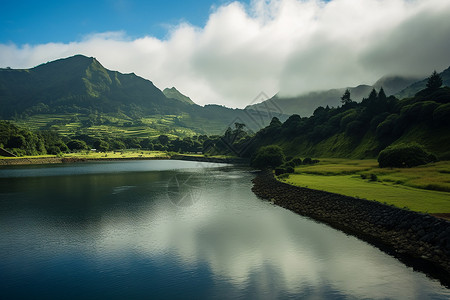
(177, 230)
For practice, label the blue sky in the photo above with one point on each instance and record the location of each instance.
(36, 22)
(228, 52)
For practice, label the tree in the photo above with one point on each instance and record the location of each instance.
(163, 139)
(239, 126)
(271, 156)
(345, 99)
(77, 145)
(382, 94)
(373, 95)
(275, 122)
(101, 145)
(434, 81)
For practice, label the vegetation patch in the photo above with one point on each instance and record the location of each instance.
(405, 156)
(424, 188)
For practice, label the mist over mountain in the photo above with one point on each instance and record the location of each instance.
(414, 88)
(304, 105)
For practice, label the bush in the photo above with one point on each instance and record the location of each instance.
(268, 157)
(441, 115)
(405, 156)
(54, 150)
(297, 161)
(290, 170)
(307, 161)
(279, 171)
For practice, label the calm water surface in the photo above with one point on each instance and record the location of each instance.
(177, 229)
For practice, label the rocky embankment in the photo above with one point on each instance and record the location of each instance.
(31, 161)
(419, 240)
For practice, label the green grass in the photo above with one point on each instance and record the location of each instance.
(423, 188)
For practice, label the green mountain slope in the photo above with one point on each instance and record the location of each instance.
(77, 95)
(362, 130)
(173, 93)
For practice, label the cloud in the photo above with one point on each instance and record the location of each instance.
(290, 46)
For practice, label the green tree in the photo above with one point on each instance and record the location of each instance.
(275, 122)
(373, 95)
(382, 94)
(270, 156)
(77, 145)
(163, 139)
(345, 99)
(434, 81)
(101, 145)
(239, 126)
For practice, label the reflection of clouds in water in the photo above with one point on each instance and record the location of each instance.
(120, 189)
(243, 241)
(271, 245)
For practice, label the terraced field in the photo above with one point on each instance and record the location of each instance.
(98, 125)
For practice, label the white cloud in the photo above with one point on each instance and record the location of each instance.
(290, 46)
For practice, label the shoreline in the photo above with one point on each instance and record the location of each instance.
(418, 240)
(61, 160)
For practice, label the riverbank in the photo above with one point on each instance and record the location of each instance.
(419, 240)
(74, 159)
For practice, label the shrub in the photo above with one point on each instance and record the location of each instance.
(290, 170)
(441, 115)
(279, 171)
(307, 161)
(290, 164)
(297, 161)
(405, 156)
(53, 150)
(268, 157)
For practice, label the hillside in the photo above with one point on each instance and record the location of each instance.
(304, 105)
(362, 130)
(77, 95)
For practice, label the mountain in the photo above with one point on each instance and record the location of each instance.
(394, 84)
(78, 95)
(78, 84)
(173, 93)
(304, 105)
(417, 86)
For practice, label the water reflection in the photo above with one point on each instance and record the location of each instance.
(235, 244)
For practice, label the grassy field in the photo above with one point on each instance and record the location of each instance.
(423, 188)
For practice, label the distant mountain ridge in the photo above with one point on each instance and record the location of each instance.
(414, 88)
(81, 89)
(304, 105)
(77, 83)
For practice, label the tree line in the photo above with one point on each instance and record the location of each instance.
(383, 118)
